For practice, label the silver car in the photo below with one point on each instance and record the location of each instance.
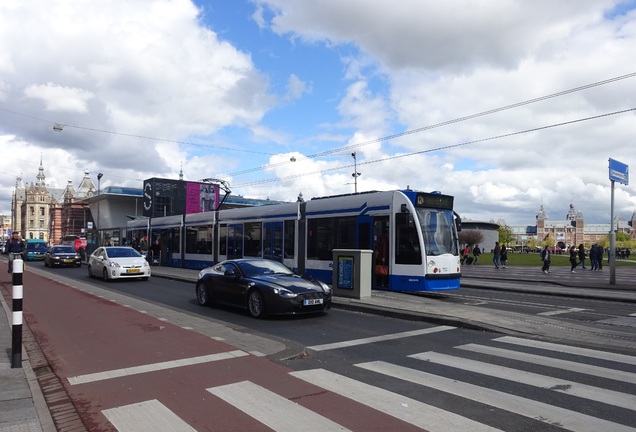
(118, 262)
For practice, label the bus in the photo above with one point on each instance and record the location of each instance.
(413, 236)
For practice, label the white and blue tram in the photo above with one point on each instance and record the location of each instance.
(413, 235)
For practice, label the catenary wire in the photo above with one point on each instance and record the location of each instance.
(338, 168)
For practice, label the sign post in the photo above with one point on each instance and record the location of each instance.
(618, 172)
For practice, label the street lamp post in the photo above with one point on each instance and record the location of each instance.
(355, 174)
(99, 198)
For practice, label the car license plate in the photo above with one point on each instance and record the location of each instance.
(133, 271)
(310, 302)
(68, 260)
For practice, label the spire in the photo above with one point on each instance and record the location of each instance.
(41, 177)
(181, 172)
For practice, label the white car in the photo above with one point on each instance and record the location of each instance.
(115, 262)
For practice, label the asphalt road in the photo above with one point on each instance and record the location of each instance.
(340, 369)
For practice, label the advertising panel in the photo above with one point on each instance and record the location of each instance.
(166, 197)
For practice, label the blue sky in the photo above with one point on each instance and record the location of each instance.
(236, 89)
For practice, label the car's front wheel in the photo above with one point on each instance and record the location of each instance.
(202, 295)
(90, 272)
(105, 274)
(256, 304)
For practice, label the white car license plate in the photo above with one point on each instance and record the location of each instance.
(310, 302)
(133, 271)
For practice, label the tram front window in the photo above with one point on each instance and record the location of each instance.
(438, 230)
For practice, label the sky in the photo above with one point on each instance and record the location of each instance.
(507, 106)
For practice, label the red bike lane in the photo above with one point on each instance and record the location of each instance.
(118, 364)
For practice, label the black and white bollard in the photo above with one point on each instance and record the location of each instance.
(16, 355)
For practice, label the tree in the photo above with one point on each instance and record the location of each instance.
(506, 235)
(470, 237)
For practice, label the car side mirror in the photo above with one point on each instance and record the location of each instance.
(230, 272)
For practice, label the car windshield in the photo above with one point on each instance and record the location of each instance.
(64, 249)
(263, 267)
(122, 252)
(36, 247)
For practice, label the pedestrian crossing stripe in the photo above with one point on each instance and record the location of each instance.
(586, 369)
(381, 338)
(274, 411)
(585, 352)
(585, 391)
(153, 367)
(409, 410)
(148, 416)
(536, 410)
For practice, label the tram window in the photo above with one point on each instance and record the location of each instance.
(199, 239)
(252, 240)
(290, 238)
(325, 235)
(407, 245)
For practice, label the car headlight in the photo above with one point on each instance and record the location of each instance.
(285, 293)
(326, 288)
(113, 264)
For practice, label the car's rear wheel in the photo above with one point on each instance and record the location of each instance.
(90, 272)
(202, 295)
(256, 304)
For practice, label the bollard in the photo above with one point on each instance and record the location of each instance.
(16, 354)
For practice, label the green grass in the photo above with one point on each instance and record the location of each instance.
(532, 259)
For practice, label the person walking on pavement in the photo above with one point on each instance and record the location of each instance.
(582, 256)
(595, 254)
(476, 253)
(465, 254)
(545, 257)
(504, 256)
(496, 255)
(573, 254)
(15, 245)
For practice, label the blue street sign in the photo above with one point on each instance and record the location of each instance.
(618, 171)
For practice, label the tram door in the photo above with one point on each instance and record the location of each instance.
(381, 251)
(273, 241)
(235, 241)
(363, 236)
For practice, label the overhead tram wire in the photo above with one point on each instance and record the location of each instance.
(445, 123)
(61, 126)
(539, 128)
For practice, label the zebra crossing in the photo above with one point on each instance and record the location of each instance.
(471, 387)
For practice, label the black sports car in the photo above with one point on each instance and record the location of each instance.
(262, 287)
(62, 256)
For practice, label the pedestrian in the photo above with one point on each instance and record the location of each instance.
(14, 246)
(545, 257)
(465, 254)
(476, 253)
(496, 254)
(504, 256)
(573, 263)
(582, 256)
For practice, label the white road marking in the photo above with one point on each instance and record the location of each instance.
(369, 340)
(148, 416)
(526, 407)
(623, 400)
(585, 352)
(561, 311)
(273, 410)
(552, 362)
(411, 411)
(134, 370)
